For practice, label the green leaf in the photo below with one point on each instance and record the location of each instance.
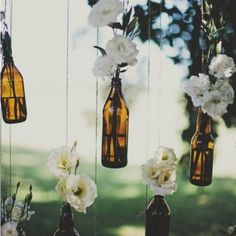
(116, 25)
(132, 25)
(103, 52)
(126, 18)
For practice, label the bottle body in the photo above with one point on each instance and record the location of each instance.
(115, 128)
(66, 227)
(202, 150)
(157, 217)
(12, 95)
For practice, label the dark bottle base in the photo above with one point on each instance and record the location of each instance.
(200, 183)
(114, 165)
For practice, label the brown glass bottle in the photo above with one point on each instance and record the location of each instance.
(66, 227)
(13, 102)
(157, 217)
(115, 128)
(202, 148)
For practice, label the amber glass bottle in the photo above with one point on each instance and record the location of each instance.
(13, 102)
(202, 148)
(115, 128)
(66, 227)
(157, 217)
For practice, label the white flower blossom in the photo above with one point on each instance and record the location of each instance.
(213, 105)
(166, 183)
(19, 213)
(166, 154)
(216, 101)
(150, 171)
(122, 50)
(160, 172)
(61, 187)
(9, 229)
(231, 230)
(62, 161)
(196, 87)
(105, 12)
(81, 192)
(222, 66)
(226, 90)
(104, 67)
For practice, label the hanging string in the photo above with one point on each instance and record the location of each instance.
(96, 145)
(160, 76)
(67, 69)
(148, 91)
(202, 53)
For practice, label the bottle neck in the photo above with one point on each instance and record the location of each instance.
(116, 82)
(203, 122)
(66, 219)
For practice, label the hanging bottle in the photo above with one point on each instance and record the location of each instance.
(66, 227)
(115, 128)
(202, 147)
(157, 217)
(13, 102)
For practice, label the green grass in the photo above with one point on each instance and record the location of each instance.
(119, 209)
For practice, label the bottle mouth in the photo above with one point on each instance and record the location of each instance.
(116, 81)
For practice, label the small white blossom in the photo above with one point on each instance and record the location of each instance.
(105, 12)
(213, 104)
(160, 172)
(8, 204)
(150, 171)
(9, 229)
(17, 211)
(61, 187)
(62, 161)
(122, 50)
(81, 192)
(166, 184)
(196, 87)
(216, 101)
(166, 154)
(222, 66)
(231, 230)
(226, 90)
(104, 67)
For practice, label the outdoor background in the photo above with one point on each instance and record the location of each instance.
(160, 115)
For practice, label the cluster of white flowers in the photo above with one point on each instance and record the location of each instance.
(160, 172)
(79, 190)
(213, 98)
(118, 51)
(15, 214)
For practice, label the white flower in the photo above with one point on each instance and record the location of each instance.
(196, 87)
(17, 211)
(226, 90)
(213, 104)
(122, 50)
(231, 230)
(105, 12)
(104, 67)
(61, 187)
(8, 204)
(9, 229)
(160, 172)
(149, 171)
(222, 66)
(62, 161)
(166, 183)
(166, 154)
(217, 100)
(81, 192)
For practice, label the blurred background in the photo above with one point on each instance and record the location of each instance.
(160, 114)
